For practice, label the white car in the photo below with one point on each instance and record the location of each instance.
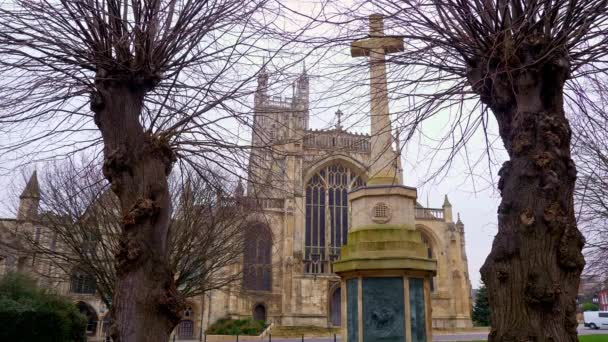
(595, 319)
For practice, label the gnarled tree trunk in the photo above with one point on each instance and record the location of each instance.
(146, 306)
(532, 273)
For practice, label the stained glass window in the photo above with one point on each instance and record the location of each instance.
(257, 272)
(327, 215)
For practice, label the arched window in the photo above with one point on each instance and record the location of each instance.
(327, 215)
(185, 329)
(257, 272)
(82, 283)
(430, 254)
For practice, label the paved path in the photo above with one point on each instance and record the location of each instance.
(475, 336)
(448, 337)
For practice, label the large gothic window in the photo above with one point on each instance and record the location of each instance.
(327, 215)
(257, 272)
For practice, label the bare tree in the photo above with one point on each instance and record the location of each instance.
(158, 79)
(590, 150)
(81, 224)
(524, 62)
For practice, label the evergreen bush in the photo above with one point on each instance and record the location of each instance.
(227, 326)
(28, 313)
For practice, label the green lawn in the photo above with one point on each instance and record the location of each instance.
(588, 338)
(593, 338)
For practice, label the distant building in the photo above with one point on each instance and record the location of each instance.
(303, 183)
(13, 257)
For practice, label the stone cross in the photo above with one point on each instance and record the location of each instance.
(382, 169)
(339, 117)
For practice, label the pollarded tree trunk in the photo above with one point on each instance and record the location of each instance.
(146, 306)
(532, 273)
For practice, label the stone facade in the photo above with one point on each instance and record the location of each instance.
(291, 163)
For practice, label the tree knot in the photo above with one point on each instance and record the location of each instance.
(97, 104)
(170, 301)
(160, 146)
(129, 254)
(554, 216)
(116, 161)
(527, 217)
(543, 159)
(503, 173)
(141, 211)
(570, 246)
(541, 292)
(554, 130)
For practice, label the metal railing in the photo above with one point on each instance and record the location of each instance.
(267, 338)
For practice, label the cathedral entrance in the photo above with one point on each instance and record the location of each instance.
(335, 308)
(259, 313)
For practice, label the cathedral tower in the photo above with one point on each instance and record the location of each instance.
(277, 122)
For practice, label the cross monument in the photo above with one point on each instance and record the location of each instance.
(384, 266)
(376, 47)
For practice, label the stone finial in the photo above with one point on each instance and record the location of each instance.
(446, 202)
(32, 189)
(339, 119)
(459, 222)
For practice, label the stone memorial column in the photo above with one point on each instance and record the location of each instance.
(384, 267)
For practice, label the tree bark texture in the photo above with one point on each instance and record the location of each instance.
(532, 273)
(146, 305)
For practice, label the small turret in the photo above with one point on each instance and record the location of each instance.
(460, 229)
(447, 210)
(302, 89)
(261, 91)
(459, 222)
(29, 200)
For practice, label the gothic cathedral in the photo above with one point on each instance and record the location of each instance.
(301, 178)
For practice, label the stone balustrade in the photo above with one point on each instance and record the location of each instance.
(337, 140)
(435, 214)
